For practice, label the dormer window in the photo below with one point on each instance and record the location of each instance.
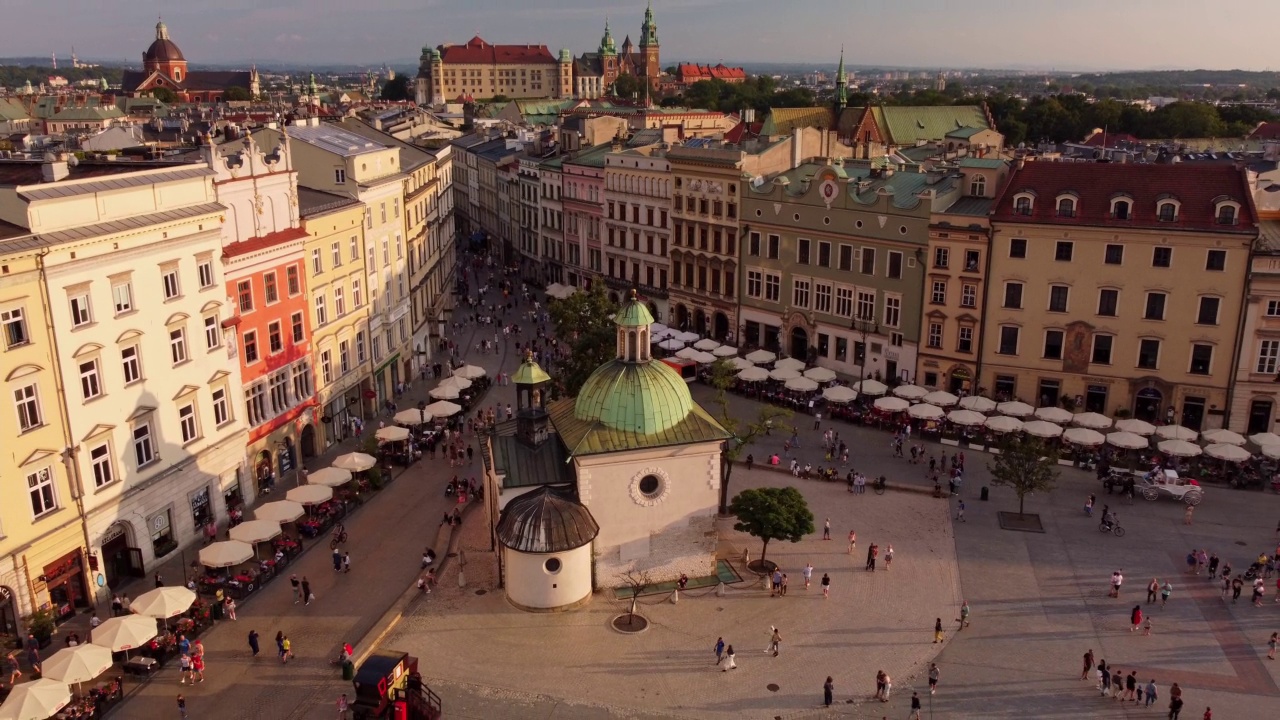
(1066, 207)
(1226, 212)
(978, 188)
(1167, 212)
(1022, 205)
(1120, 209)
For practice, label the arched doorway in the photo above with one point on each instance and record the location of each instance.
(720, 326)
(682, 316)
(308, 441)
(961, 381)
(8, 612)
(121, 557)
(1260, 416)
(799, 347)
(1146, 405)
(264, 472)
(700, 322)
(653, 310)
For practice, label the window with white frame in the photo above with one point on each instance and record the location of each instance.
(356, 298)
(968, 295)
(339, 302)
(317, 262)
(122, 296)
(935, 335)
(204, 271)
(81, 310)
(772, 287)
(344, 358)
(178, 345)
(755, 283)
(187, 423)
(169, 279)
(255, 403)
(322, 311)
(1268, 356)
(386, 252)
(27, 401)
(892, 311)
(90, 380)
(14, 321)
(279, 386)
(103, 466)
(212, 332)
(354, 253)
(297, 328)
(339, 176)
(244, 295)
(938, 295)
(822, 298)
(293, 280)
(302, 380)
(144, 449)
(964, 342)
(326, 366)
(275, 337)
(360, 346)
(130, 364)
(1273, 308)
(221, 407)
(40, 487)
(844, 302)
(866, 305)
(800, 291)
(270, 288)
(335, 254)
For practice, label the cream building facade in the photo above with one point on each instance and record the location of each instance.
(637, 235)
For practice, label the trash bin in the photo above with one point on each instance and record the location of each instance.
(348, 670)
(985, 493)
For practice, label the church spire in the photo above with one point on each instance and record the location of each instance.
(648, 31)
(842, 85)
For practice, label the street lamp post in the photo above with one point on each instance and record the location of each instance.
(863, 324)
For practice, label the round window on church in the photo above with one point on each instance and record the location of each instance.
(650, 486)
(552, 566)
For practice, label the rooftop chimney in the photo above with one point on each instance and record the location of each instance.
(54, 170)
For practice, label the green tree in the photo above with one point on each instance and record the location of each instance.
(236, 94)
(772, 514)
(165, 95)
(1025, 464)
(744, 432)
(628, 87)
(584, 320)
(397, 89)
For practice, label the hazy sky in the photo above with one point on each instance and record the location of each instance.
(1063, 34)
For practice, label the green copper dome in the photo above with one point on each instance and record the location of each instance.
(633, 314)
(530, 373)
(645, 398)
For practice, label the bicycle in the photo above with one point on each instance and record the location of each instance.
(880, 487)
(338, 539)
(1113, 528)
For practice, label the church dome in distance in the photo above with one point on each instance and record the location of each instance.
(163, 49)
(546, 520)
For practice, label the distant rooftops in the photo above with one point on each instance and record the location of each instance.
(333, 139)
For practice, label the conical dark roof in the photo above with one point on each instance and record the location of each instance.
(546, 520)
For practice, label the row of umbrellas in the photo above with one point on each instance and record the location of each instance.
(43, 698)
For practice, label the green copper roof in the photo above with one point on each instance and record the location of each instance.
(633, 314)
(644, 398)
(907, 125)
(530, 373)
(588, 437)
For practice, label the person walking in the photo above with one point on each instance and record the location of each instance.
(346, 562)
(182, 707)
(719, 650)
(1236, 586)
(826, 586)
(775, 582)
(1271, 647)
(1175, 704)
(1135, 618)
(184, 670)
(964, 614)
(230, 607)
(344, 707)
(288, 648)
(1117, 578)
(280, 646)
(337, 560)
(782, 591)
(826, 529)
(853, 541)
(871, 557)
(915, 707)
(730, 655)
(253, 642)
(828, 691)
(297, 589)
(1152, 590)
(775, 642)
(960, 511)
(808, 574)
(197, 668)
(1186, 514)
(1165, 591)
(933, 678)
(937, 631)
(1151, 693)
(306, 591)
(1131, 686)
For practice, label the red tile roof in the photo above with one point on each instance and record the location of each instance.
(743, 130)
(479, 52)
(690, 72)
(1197, 187)
(244, 247)
(1266, 131)
(1111, 139)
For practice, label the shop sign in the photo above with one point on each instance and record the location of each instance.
(5, 595)
(112, 533)
(199, 500)
(286, 460)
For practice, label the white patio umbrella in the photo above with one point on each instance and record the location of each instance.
(977, 403)
(706, 344)
(1271, 451)
(1083, 436)
(82, 663)
(802, 384)
(1015, 408)
(1228, 452)
(741, 363)
(789, 364)
(443, 392)
(1222, 436)
(1265, 438)
(39, 699)
(655, 334)
(456, 382)
(355, 461)
(925, 411)
(941, 398)
(968, 418)
(253, 531)
(1003, 424)
(1176, 432)
(671, 344)
(725, 351)
(872, 388)
(170, 600)
(1042, 429)
(1054, 414)
(784, 374)
(1181, 448)
(910, 392)
(233, 552)
(892, 404)
(820, 374)
(687, 353)
(703, 358)
(1136, 426)
(657, 328)
(687, 337)
(281, 511)
(1091, 420)
(761, 356)
(120, 634)
(329, 477)
(412, 416)
(753, 374)
(391, 433)
(309, 495)
(1127, 440)
(443, 408)
(470, 372)
(841, 394)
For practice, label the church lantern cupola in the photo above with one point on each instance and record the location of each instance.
(633, 322)
(532, 421)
